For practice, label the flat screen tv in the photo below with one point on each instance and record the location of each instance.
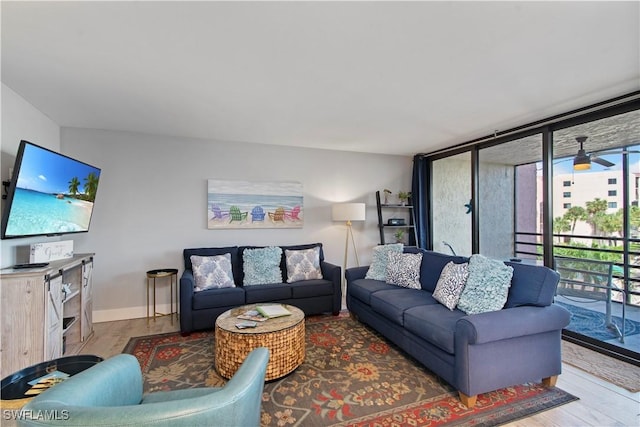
(49, 194)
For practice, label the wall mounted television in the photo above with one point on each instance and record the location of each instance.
(49, 194)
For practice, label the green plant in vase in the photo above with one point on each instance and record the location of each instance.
(399, 235)
(404, 197)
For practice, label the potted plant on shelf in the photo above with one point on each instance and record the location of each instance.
(399, 235)
(404, 197)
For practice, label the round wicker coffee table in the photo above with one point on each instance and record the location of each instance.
(283, 336)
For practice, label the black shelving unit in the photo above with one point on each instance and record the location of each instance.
(384, 226)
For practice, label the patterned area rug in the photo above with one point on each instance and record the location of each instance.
(351, 377)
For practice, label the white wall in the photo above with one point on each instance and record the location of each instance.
(21, 120)
(151, 203)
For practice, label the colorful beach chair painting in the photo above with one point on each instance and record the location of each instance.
(278, 215)
(235, 204)
(218, 213)
(236, 215)
(293, 214)
(257, 214)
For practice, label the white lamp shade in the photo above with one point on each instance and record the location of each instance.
(348, 212)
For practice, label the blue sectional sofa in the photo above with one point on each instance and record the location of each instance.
(474, 353)
(199, 310)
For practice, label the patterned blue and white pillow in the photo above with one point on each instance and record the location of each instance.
(404, 269)
(451, 284)
(212, 272)
(303, 264)
(378, 268)
(487, 287)
(262, 266)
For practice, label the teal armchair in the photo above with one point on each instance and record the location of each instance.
(110, 394)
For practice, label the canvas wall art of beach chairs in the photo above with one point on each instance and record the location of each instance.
(254, 204)
(278, 215)
(257, 214)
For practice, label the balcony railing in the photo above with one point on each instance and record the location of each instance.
(626, 275)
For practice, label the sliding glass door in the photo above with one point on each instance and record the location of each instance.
(596, 218)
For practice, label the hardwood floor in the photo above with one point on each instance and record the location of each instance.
(600, 404)
(109, 338)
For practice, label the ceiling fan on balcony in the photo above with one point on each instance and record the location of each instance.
(582, 160)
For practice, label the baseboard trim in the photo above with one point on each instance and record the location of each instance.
(127, 313)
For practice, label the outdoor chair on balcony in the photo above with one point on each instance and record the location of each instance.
(591, 281)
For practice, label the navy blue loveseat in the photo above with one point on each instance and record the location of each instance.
(199, 310)
(474, 353)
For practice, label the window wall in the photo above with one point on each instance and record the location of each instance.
(517, 195)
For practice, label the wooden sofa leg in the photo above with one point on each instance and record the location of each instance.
(468, 401)
(550, 381)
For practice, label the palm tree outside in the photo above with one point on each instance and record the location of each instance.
(575, 214)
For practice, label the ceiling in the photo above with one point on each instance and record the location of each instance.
(379, 77)
(610, 135)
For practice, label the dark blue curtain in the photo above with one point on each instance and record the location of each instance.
(419, 196)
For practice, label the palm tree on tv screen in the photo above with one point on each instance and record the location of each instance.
(74, 184)
(91, 186)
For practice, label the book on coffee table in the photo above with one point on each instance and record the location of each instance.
(252, 315)
(246, 324)
(274, 310)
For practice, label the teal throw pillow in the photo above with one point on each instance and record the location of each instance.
(487, 286)
(262, 266)
(378, 268)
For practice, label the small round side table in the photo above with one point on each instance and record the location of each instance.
(172, 274)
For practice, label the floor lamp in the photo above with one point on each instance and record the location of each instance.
(348, 212)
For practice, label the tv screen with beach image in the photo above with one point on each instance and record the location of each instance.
(54, 194)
